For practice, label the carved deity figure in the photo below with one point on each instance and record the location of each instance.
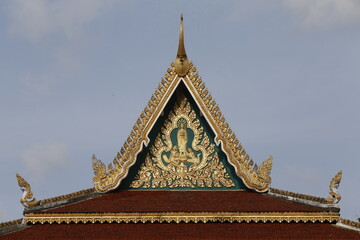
(182, 140)
(179, 153)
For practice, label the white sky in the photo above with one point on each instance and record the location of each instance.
(76, 74)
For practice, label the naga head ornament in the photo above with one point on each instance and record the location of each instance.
(27, 199)
(334, 185)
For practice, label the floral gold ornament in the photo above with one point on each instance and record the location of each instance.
(182, 155)
(334, 185)
(27, 199)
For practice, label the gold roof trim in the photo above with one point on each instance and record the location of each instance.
(254, 177)
(350, 223)
(67, 196)
(178, 217)
(11, 223)
(298, 195)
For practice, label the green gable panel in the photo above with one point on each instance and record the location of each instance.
(182, 154)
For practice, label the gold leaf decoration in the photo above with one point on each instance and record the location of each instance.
(182, 155)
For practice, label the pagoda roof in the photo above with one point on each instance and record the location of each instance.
(182, 75)
(185, 231)
(205, 203)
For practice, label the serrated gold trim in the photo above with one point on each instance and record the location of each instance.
(186, 217)
(11, 223)
(350, 223)
(299, 195)
(254, 177)
(67, 196)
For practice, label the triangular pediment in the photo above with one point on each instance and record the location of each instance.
(188, 90)
(182, 153)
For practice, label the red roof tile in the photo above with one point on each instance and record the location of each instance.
(183, 201)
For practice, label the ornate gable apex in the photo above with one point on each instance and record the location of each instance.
(181, 70)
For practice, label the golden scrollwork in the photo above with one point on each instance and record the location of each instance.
(27, 199)
(178, 160)
(334, 185)
(99, 169)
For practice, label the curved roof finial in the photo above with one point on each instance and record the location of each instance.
(181, 63)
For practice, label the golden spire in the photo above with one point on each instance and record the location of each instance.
(181, 63)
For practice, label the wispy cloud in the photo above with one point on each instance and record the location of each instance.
(325, 13)
(37, 19)
(46, 157)
(38, 84)
(60, 31)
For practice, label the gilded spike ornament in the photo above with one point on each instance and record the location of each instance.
(334, 185)
(182, 64)
(27, 199)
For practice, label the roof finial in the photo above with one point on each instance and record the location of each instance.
(181, 63)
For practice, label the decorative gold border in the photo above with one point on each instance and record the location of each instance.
(186, 217)
(298, 195)
(11, 223)
(67, 196)
(254, 177)
(350, 223)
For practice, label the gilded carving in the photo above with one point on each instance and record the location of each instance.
(27, 199)
(182, 155)
(334, 185)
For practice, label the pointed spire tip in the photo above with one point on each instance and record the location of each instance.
(182, 64)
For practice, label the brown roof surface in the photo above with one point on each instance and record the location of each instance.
(183, 201)
(185, 231)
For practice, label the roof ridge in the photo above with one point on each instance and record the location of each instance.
(10, 223)
(61, 200)
(12, 226)
(350, 224)
(67, 196)
(298, 195)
